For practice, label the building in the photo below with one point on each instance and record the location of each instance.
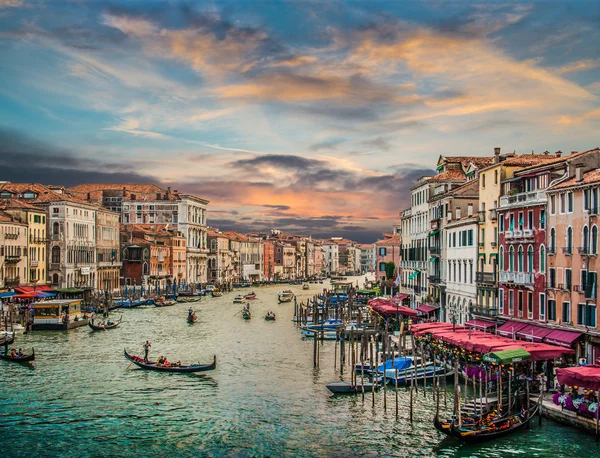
(37, 240)
(332, 256)
(572, 252)
(13, 251)
(387, 250)
(461, 263)
(108, 249)
(269, 259)
(221, 260)
(367, 257)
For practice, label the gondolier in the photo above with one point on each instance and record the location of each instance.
(147, 346)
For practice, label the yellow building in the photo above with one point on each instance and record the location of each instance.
(36, 240)
(490, 178)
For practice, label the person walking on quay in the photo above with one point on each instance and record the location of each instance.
(147, 346)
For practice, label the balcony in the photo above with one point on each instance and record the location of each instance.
(435, 279)
(12, 259)
(435, 250)
(56, 237)
(518, 278)
(493, 214)
(593, 211)
(527, 233)
(517, 233)
(584, 250)
(494, 244)
(508, 235)
(481, 245)
(55, 266)
(567, 250)
(11, 236)
(551, 251)
(482, 216)
(486, 277)
(33, 263)
(484, 311)
(12, 281)
(524, 198)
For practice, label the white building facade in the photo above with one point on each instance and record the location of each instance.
(192, 223)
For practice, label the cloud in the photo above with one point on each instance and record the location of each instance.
(579, 66)
(11, 3)
(278, 160)
(277, 207)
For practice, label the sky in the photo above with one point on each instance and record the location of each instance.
(306, 116)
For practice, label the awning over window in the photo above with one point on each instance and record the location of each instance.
(414, 274)
(510, 327)
(424, 308)
(432, 233)
(562, 338)
(532, 332)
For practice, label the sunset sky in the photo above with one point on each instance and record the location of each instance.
(307, 116)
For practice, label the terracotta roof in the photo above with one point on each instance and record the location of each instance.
(139, 241)
(18, 204)
(477, 161)
(449, 175)
(395, 240)
(44, 194)
(142, 188)
(526, 160)
(473, 183)
(593, 176)
(558, 160)
(366, 245)
(7, 218)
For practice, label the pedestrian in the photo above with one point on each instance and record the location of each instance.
(147, 346)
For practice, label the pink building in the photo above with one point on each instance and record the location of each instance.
(387, 250)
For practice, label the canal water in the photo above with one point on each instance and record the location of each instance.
(265, 399)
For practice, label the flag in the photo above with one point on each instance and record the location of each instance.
(397, 282)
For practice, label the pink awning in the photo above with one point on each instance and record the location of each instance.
(584, 376)
(510, 327)
(400, 297)
(385, 307)
(533, 332)
(562, 338)
(426, 308)
(481, 324)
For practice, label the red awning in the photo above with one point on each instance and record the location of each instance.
(32, 289)
(385, 307)
(400, 297)
(510, 327)
(424, 308)
(562, 338)
(26, 296)
(481, 324)
(533, 332)
(584, 376)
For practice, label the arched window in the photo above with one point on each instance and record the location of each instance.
(594, 240)
(55, 228)
(530, 259)
(585, 239)
(520, 260)
(552, 246)
(145, 253)
(569, 244)
(55, 255)
(501, 260)
(542, 259)
(511, 259)
(145, 268)
(55, 279)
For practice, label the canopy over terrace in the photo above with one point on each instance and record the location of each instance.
(385, 307)
(481, 342)
(584, 376)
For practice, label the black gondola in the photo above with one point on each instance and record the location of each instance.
(7, 340)
(18, 359)
(104, 327)
(500, 428)
(151, 365)
(192, 318)
(246, 315)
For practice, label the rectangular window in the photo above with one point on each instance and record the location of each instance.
(470, 241)
(482, 236)
(530, 303)
(553, 204)
(530, 220)
(551, 310)
(580, 313)
(542, 308)
(586, 199)
(511, 302)
(542, 219)
(37, 218)
(583, 281)
(382, 267)
(561, 203)
(382, 251)
(454, 239)
(521, 223)
(552, 280)
(566, 312)
(520, 303)
(501, 219)
(590, 317)
(568, 279)
(511, 222)
(483, 180)
(501, 298)
(570, 202)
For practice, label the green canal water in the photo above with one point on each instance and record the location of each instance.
(265, 399)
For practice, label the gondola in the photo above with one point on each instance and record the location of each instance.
(216, 293)
(497, 429)
(270, 316)
(151, 365)
(18, 359)
(351, 388)
(192, 318)
(7, 340)
(104, 327)
(246, 315)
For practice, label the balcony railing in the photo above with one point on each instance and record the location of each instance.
(494, 244)
(481, 245)
(486, 277)
(33, 263)
(524, 198)
(435, 279)
(593, 211)
(493, 214)
(484, 311)
(567, 250)
(55, 265)
(551, 251)
(527, 233)
(12, 281)
(508, 234)
(11, 236)
(435, 250)
(519, 278)
(583, 250)
(12, 259)
(55, 236)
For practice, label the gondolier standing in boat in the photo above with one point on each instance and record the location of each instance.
(147, 346)
(93, 318)
(190, 311)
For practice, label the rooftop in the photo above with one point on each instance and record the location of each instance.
(591, 177)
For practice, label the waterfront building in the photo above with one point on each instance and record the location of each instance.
(348, 256)
(220, 259)
(368, 258)
(407, 273)
(572, 252)
(269, 259)
(108, 249)
(252, 258)
(332, 256)
(387, 250)
(320, 259)
(310, 258)
(461, 262)
(37, 240)
(13, 250)
(289, 261)
(177, 242)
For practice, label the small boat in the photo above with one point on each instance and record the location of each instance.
(305, 286)
(216, 293)
(351, 388)
(18, 359)
(270, 316)
(493, 430)
(398, 363)
(416, 373)
(7, 340)
(239, 299)
(250, 297)
(325, 335)
(246, 315)
(153, 366)
(285, 296)
(103, 326)
(192, 318)
(164, 303)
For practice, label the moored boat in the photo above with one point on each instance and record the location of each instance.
(103, 326)
(154, 366)
(18, 359)
(285, 296)
(250, 297)
(216, 293)
(239, 299)
(305, 286)
(351, 388)
(415, 373)
(8, 340)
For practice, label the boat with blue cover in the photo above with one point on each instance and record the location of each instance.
(399, 363)
(415, 373)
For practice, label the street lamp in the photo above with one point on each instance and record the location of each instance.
(453, 313)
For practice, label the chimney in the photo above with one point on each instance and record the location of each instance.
(579, 173)
(470, 210)
(558, 153)
(89, 196)
(458, 213)
(496, 155)
(158, 196)
(132, 196)
(573, 152)
(169, 189)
